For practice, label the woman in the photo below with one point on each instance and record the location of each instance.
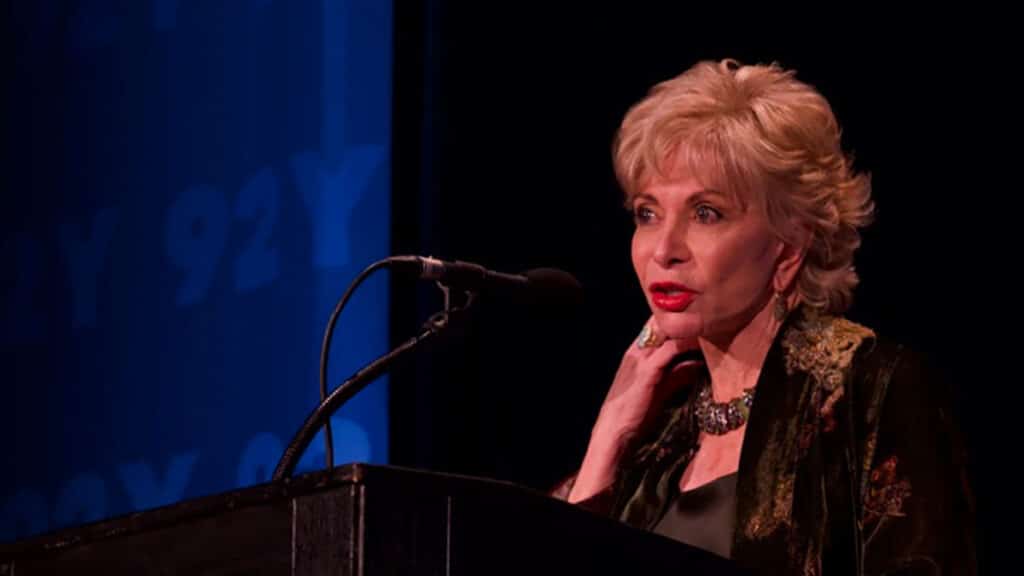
(750, 418)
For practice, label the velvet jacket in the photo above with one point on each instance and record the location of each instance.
(851, 464)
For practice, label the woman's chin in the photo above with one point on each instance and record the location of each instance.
(678, 325)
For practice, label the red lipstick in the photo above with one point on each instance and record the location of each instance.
(671, 296)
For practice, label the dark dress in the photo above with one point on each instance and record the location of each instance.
(851, 464)
(704, 517)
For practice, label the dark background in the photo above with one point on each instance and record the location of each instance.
(511, 168)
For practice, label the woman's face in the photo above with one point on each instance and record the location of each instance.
(706, 265)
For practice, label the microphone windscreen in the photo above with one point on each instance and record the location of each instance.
(551, 289)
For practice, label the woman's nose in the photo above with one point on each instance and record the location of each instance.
(671, 248)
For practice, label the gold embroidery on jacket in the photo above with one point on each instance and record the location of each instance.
(822, 347)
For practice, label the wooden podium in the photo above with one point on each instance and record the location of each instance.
(362, 520)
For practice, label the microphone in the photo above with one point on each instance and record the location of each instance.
(543, 286)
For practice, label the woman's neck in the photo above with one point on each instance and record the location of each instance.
(734, 362)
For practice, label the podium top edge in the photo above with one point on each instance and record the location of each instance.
(351, 474)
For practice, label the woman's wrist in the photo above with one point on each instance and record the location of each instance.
(600, 464)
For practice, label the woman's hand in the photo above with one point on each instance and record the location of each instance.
(645, 378)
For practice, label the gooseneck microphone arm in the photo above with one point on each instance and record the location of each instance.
(322, 414)
(538, 285)
(325, 346)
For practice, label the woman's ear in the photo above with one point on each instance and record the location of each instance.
(790, 261)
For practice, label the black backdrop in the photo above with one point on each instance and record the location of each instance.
(503, 124)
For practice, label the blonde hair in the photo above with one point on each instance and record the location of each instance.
(764, 137)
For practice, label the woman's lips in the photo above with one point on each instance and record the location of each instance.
(671, 296)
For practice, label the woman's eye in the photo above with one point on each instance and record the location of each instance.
(707, 215)
(642, 214)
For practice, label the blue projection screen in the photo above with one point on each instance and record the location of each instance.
(190, 185)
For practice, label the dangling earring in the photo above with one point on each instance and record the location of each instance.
(781, 309)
